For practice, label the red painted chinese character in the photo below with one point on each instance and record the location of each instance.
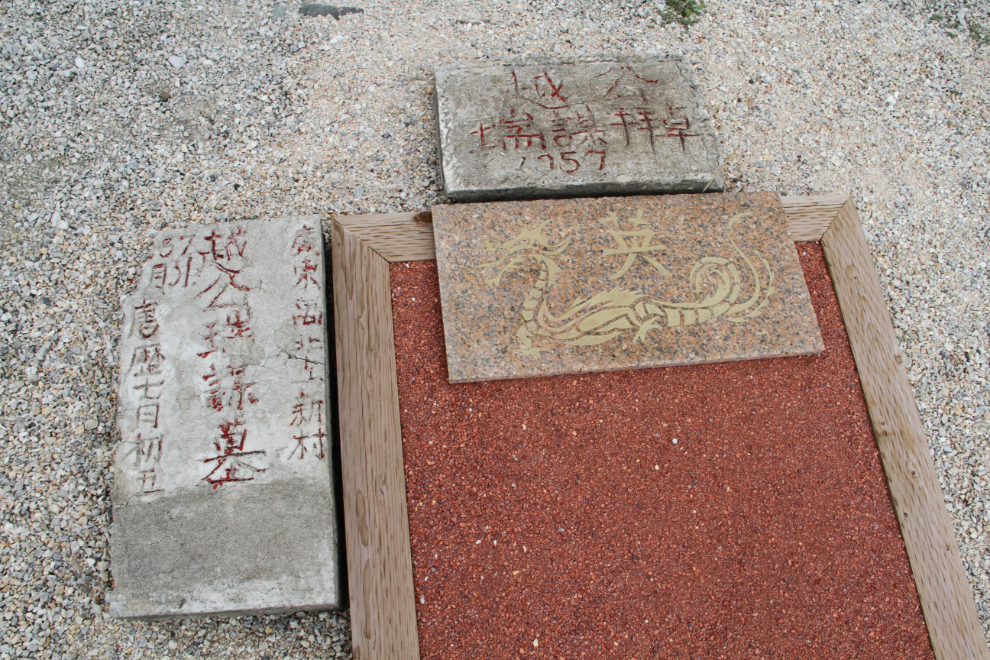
(678, 127)
(305, 411)
(304, 241)
(147, 452)
(576, 130)
(149, 387)
(237, 322)
(147, 360)
(144, 319)
(548, 92)
(482, 129)
(226, 255)
(307, 343)
(626, 120)
(308, 371)
(149, 479)
(626, 85)
(211, 340)
(173, 262)
(306, 274)
(647, 119)
(310, 313)
(147, 415)
(232, 463)
(301, 447)
(228, 389)
(521, 131)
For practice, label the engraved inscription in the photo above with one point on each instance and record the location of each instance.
(146, 378)
(308, 380)
(223, 380)
(564, 132)
(227, 387)
(714, 281)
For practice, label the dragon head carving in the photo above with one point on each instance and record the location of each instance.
(530, 243)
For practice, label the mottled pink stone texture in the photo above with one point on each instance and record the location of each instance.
(547, 287)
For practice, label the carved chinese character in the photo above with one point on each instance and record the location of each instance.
(305, 271)
(647, 120)
(173, 262)
(145, 322)
(149, 481)
(678, 125)
(147, 415)
(232, 462)
(480, 132)
(151, 387)
(237, 322)
(625, 85)
(309, 313)
(226, 257)
(147, 360)
(521, 132)
(626, 119)
(147, 452)
(543, 91)
(305, 241)
(307, 410)
(306, 371)
(576, 130)
(317, 445)
(211, 340)
(639, 243)
(228, 389)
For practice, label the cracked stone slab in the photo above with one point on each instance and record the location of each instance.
(577, 127)
(223, 500)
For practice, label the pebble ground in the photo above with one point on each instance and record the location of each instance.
(120, 118)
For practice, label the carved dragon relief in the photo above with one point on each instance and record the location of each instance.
(714, 281)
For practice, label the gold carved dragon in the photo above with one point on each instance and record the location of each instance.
(714, 282)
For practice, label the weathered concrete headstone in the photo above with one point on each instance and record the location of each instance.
(222, 497)
(584, 126)
(570, 286)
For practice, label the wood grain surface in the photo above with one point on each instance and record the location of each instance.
(395, 236)
(376, 523)
(943, 588)
(409, 236)
(809, 217)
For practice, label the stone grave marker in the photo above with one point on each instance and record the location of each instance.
(579, 127)
(570, 286)
(222, 499)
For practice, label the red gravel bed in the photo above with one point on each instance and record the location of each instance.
(556, 517)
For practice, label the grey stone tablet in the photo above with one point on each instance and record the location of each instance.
(222, 499)
(579, 127)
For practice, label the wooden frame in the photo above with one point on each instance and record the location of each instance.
(379, 562)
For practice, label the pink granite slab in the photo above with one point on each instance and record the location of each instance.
(570, 286)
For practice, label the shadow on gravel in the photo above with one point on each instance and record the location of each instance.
(328, 10)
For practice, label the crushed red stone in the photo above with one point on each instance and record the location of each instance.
(557, 517)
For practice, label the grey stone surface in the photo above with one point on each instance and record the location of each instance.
(222, 498)
(577, 127)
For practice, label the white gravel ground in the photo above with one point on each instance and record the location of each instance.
(118, 118)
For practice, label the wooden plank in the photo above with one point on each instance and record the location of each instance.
(395, 236)
(379, 560)
(409, 236)
(943, 588)
(809, 217)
